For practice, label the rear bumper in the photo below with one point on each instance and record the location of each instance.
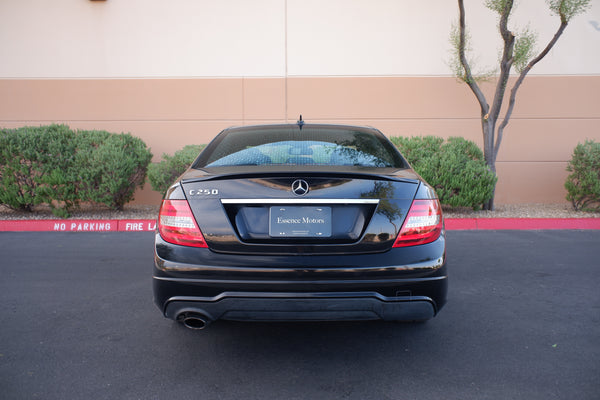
(402, 284)
(387, 298)
(303, 307)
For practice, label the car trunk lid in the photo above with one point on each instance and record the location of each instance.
(329, 213)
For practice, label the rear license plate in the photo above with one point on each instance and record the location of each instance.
(288, 221)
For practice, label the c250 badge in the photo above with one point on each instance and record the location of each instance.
(204, 192)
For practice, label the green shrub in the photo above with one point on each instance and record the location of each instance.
(583, 184)
(56, 166)
(35, 165)
(161, 175)
(111, 167)
(419, 149)
(456, 169)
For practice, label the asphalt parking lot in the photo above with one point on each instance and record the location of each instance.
(522, 322)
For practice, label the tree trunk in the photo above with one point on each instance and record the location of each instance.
(488, 127)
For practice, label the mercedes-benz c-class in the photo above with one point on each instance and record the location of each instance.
(308, 222)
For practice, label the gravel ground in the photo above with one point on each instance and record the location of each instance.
(564, 210)
(84, 212)
(150, 211)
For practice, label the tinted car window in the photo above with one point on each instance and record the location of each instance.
(288, 145)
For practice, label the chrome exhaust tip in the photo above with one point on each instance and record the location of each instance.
(194, 320)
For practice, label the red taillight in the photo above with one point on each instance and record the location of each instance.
(423, 224)
(177, 225)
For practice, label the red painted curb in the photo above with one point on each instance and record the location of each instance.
(149, 225)
(459, 224)
(78, 225)
(521, 223)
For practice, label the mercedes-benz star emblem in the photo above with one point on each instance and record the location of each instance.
(300, 187)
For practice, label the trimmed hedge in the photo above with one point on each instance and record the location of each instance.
(161, 175)
(455, 168)
(111, 166)
(583, 184)
(59, 167)
(32, 166)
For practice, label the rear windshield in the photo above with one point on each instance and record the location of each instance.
(288, 145)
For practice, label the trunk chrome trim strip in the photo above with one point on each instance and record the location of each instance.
(299, 201)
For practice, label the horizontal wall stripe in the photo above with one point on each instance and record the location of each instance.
(551, 116)
(317, 98)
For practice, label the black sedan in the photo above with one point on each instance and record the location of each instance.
(300, 222)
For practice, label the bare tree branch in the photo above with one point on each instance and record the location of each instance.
(519, 81)
(505, 62)
(465, 64)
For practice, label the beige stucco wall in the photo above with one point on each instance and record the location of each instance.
(269, 38)
(178, 72)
